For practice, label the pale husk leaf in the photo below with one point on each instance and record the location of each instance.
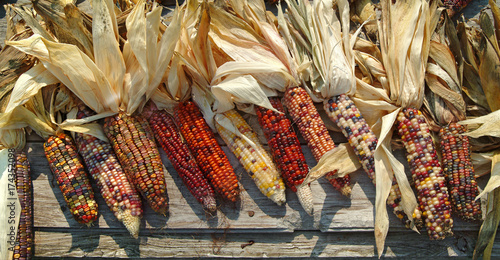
(108, 57)
(482, 163)
(494, 181)
(489, 125)
(341, 159)
(12, 138)
(28, 85)
(74, 69)
(240, 89)
(404, 35)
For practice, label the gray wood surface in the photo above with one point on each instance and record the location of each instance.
(340, 226)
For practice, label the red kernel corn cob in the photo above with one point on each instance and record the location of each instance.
(135, 147)
(167, 135)
(342, 110)
(286, 150)
(23, 248)
(71, 177)
(427, 174)
(303, 112)
(102, 163)
(210, 157)
(459, 172)
(254, 159)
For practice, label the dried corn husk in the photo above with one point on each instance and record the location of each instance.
(106, 84)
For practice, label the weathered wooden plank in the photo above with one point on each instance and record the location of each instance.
(301, 244)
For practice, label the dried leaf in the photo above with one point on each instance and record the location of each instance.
(489, 227)
(240, 89)
(489, 73)
(74, 69)
(28, 85)
(489, 125)
(108, 57)
(342, 160)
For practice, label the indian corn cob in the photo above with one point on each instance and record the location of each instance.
(135, 147)
(67, 167)
(459, 172)
(455, 6)
(254, 159)
(23, 249)
(286, 150)
(305, 115)
(342, 110)
(168, 136)
(427, 174)
(102, 163)
(210, 157)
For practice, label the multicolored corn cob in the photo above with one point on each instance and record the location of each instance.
(254, 158)
(135, 147)
(167, 135)
(212, 161)
(459, 172)
(23, 249)
(305, 115)
(286, 150)
(71, 177)
(455, 6)
(102, 163)
(342, 110)
(427, 174)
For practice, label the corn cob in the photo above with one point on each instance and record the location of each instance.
(455, 6)
(23, 249)
(102, 164)
(71, 177)
(426, 171)
(286, 150)
(254, 159)
(304, 114)
(459, 172)
(167, 135)
(212, 161)
(342, 110)
(134, 145)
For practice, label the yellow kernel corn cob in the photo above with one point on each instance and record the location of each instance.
(459, 172)
(71, 177)
(102, 164)
(426, 171)
(286, 150)
(168, 136)
(134, 144)
(305, 115)
(254, 159)
(23, 248)
(211, 159)
(342, 110)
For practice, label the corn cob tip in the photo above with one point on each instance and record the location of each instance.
(209, 204)
(346, 191)
(278, 197)
(304, 194)
(132, 223)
